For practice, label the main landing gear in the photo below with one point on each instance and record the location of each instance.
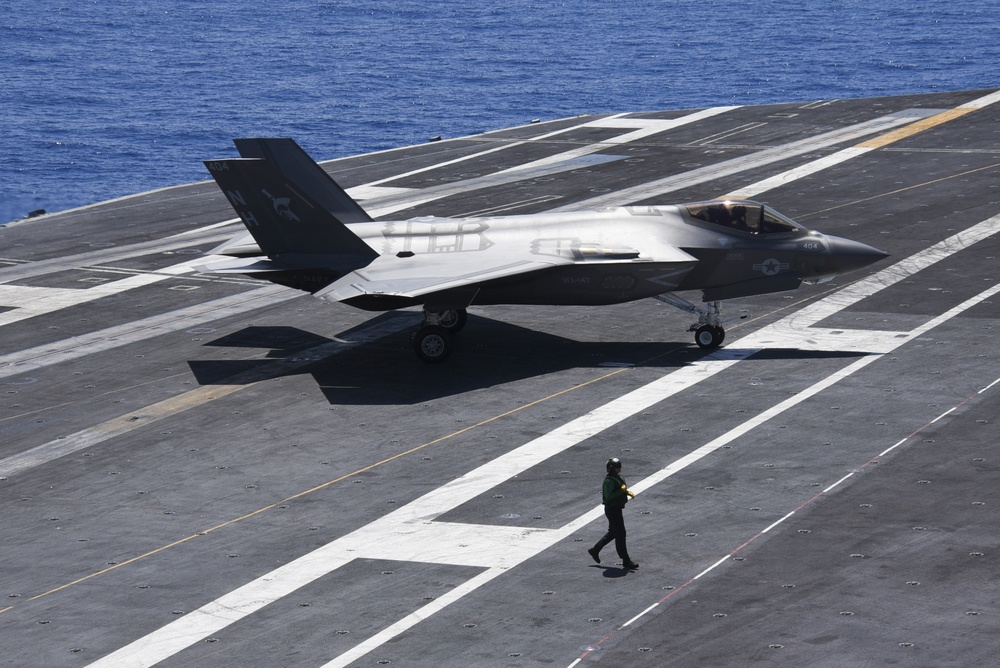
(708, 331)
(435, 338)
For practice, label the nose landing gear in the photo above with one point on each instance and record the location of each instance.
(708, 331)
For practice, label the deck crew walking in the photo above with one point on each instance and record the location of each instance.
(615, 494)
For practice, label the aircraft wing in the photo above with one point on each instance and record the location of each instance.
(417, 275)
(426, 273)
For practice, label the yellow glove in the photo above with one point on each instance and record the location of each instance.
(630, 494)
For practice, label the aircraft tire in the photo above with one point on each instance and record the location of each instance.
(454, 319)
(708, 337)
(433, 344)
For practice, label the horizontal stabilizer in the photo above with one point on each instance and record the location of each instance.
(246, 266)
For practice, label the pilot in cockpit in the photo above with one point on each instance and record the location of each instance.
(739, 217)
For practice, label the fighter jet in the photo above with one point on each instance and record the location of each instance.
(307, 233)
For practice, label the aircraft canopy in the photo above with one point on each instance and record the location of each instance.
(745, 216)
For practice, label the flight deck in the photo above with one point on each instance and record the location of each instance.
(211, 470)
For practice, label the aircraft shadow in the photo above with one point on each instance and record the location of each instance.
(385, 371)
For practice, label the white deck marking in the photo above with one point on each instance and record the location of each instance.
(783, 519)
(981, 102)
(383, 201)
(577, 158)
(23, 361)
(143, 417)
(28, 302)
(389, 205)
(778, 180)
(784, 178)
(412, 533)
(726, 134)
(767, 156)
(800, 331)
(207, 234)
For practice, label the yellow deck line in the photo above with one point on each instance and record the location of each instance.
(917, 127)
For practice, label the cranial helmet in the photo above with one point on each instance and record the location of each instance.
(614, 463)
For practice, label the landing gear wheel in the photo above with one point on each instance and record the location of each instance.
(453, 319)
(709, 337)
(433, 344)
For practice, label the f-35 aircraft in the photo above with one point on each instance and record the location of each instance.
(308, 234)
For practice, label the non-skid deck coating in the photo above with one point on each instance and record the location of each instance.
(199, 471)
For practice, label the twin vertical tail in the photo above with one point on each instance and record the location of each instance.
(294, 210)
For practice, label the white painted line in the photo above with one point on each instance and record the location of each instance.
(753, 423)
(393, 199)
(23, 361)
(26, 270)
(725, 168)
(640, 615)
(563, 162)
(413, 619)
(207, 228)
(436, 165)
(989, 386)
(576, 158)
(412, 534)
(776, 523)
(981, 102)
(143, 417)
(890, 449)
(799, 329)
(591, 648)
(726, 134)
(645, 127)
(712, 567)
(945, 414)
(30, 301)
(778, 180)
(969, 303)
(27, 301)
(836, 484)
(109, 429)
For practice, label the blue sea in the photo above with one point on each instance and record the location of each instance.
(105, 98)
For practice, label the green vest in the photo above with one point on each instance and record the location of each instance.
(612, 491)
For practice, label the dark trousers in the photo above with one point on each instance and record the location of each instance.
(616, 532)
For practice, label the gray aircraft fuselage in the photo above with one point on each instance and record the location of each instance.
(309, 234)
(724, 262)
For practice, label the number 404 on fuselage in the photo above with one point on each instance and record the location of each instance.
(307, 233)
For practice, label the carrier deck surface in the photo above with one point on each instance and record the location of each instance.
(200, 471)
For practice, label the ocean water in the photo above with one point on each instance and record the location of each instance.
(106, 98)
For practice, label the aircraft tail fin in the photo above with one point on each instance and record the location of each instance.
(302, 170)
(289, 204)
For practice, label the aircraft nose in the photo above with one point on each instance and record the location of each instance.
(848, 255)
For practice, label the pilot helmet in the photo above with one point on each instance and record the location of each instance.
(614, 463)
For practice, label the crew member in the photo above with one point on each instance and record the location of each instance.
(616, 494)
